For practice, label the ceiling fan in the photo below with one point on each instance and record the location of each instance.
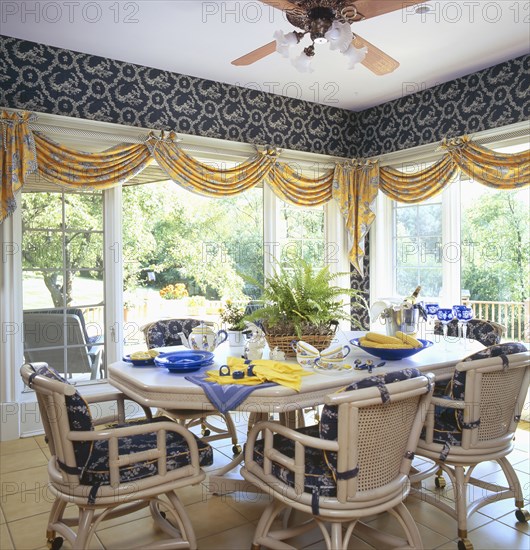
(330, 21)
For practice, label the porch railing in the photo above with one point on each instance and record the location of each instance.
(515, 316)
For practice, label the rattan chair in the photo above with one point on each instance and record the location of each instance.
(165, 333)
(114, 471)
(475, 423)
(486, 332)
(353, 465)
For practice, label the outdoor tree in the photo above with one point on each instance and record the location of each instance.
(496, 248)
(59, 240)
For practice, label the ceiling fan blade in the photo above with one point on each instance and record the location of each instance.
(373, 8)
(280, 4)
(376, 60)
(256, 55)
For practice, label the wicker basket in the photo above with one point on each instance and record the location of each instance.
(283, 343)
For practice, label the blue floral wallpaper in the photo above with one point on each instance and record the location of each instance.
(491, 98)
(53, 80)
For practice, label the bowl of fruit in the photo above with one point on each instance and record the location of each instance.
(391, 348)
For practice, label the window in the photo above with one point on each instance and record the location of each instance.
(468, 243)
(63, 281)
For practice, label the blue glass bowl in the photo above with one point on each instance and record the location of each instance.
(392, 354)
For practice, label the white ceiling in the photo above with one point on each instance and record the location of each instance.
(201, 38)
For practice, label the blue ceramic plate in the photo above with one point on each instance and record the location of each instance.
(140, 362)
(392, 354)
(185, 369)
(185, 359)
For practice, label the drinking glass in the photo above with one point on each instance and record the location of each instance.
(445, 316)
(463, 314)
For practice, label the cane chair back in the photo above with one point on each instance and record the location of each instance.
(475, 422)
(354, 465)
(166, 332)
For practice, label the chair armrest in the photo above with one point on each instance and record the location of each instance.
(288, 433)
(113, 395)
(448, 403)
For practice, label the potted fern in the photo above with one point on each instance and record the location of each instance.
(303, 304)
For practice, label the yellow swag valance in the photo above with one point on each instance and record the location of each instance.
(353, 184)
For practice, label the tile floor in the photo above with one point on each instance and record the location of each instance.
(228, 522)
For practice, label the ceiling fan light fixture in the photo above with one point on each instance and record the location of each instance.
(355, 55)
(285, 41)
(303, 62)
(339, 36)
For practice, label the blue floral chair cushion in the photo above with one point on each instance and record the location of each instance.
(79, 417)
(96, 470)
(448, 422)
(318, 476)
(166, 332)
(485, 332)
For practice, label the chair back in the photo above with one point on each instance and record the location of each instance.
(488, 333)
(62, 411)
(493, 383)
(165, 332)
(57, 340)
(377, 432)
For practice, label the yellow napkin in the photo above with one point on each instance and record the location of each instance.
(265, 370)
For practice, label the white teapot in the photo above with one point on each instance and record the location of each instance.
(203, 338)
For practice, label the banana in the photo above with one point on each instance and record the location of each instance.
(144, 355)
(382, 338)
(406, 339)
(371, 344)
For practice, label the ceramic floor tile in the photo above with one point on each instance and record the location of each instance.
(35, 537)
(511, 521)
(238, 538)
(521, 459)
(139, 533)
(249, 505)
(18, 446)
(30, 479)
(433, 518)
(498, 535)
(501, 508)
(25, 504)
(212, 516)
(499, 479)
(2, 518)
(388, 524)
(21, 460)
(522, 440)
(5, 538)
(40, 441)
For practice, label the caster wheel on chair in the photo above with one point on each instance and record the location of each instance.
(206, 432)
(56, 543)
(522, 515)
(236, 449)
(439, 481)
(465, 544)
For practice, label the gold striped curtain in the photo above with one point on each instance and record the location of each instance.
(355, 187)
(18, 158)
(497, 170)
(103, 170)
(418, 186)
(300, 190)
(207, 180)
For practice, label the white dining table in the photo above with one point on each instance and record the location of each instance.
(157, 387)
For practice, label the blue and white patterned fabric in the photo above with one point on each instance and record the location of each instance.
(92, 460)
(79, 417)
(96, 470)
(321, 465)
(448, 423)
(318, 475)
(166, 332)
